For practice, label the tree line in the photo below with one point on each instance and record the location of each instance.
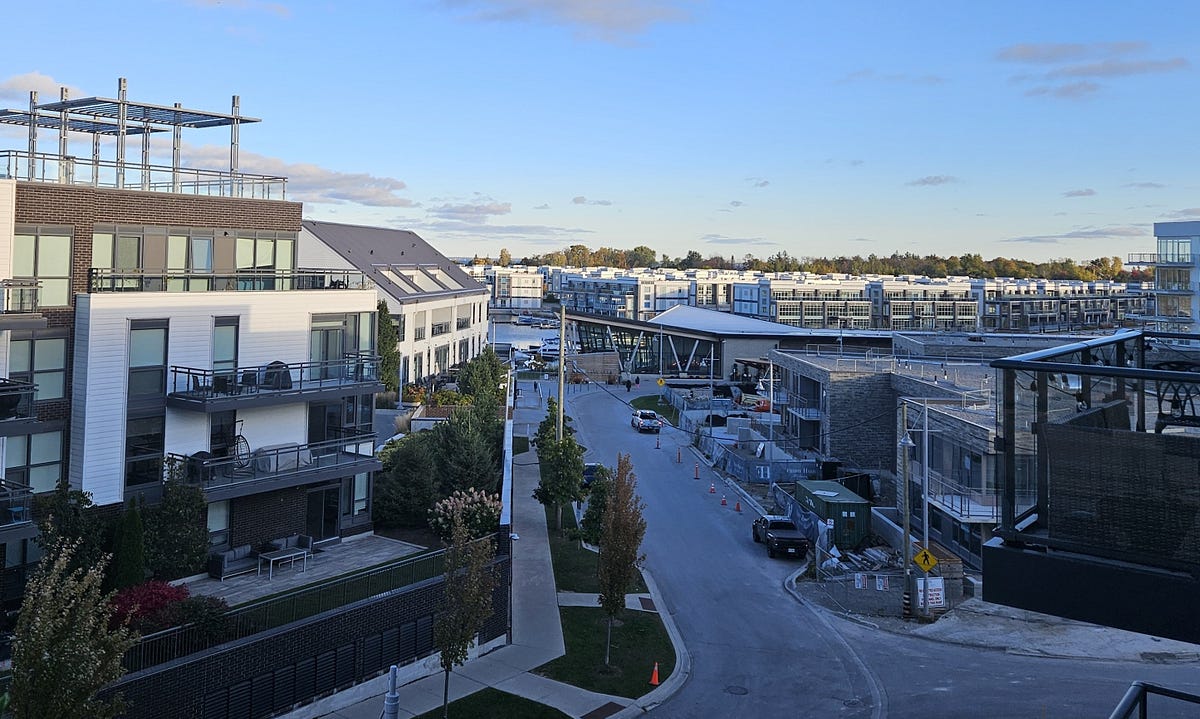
(908, 263)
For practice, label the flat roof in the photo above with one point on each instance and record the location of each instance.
(830, 491)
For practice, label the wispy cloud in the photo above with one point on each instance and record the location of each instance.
(1145, 185)
(869, 75)
(471, 211)
(1111, 232)
(615, 21)
(274, 8)
(725, 240)
(736, 203)
(581, 200)
(1074, 62)
(543, 206)
(1086, 192)
(932, 180)
(308, 182)
(758, 181)
(18, 87)
(1186, 212)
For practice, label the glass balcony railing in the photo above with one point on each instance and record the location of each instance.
(19, 296)
(236, 281)
(194, 383)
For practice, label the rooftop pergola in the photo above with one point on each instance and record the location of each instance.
(120, 118)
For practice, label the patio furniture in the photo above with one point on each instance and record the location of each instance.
(294, 541)
(1177, 400)
(238, 560)
(289, 555)
(277, 376)
(285, 457)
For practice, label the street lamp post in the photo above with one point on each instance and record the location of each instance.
(905, 444)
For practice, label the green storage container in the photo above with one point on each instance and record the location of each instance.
(850, 513)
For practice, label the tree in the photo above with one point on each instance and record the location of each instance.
(591, 526)
(177, 539)
(640, 256)
(386, 342)
(620, 543)
(66, 515)
(561, 464)
(405, 492)
(64, 650)
(467, 600)
(129, 551)
(468, 447)
(483, 374)
(505, 257)
(475, 509)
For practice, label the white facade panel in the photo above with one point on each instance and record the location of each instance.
(312, 252)
(272, 326)
(8, 217)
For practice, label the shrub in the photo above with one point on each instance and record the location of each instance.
(148, 607)
(209, 614)
(177, 530)
(129, 552)
(478, 511)
(385, 400)
(413, 393)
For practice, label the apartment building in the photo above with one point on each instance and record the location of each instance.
(439, 310)
(517, 287)
(182, 340)
(1176, 277)
(1037, 305)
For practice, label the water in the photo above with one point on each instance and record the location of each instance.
(517, 335)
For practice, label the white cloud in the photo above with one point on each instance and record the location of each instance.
(1086, 192)
(17, 87)
(469, 211)
(607, 20)
(1111, 232)
(713, 239)
(307, 182)
(932, 180)
(581, 200)
(274, 8)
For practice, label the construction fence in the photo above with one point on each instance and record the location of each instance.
(872, 584)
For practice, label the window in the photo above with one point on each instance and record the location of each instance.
(147, 360)
(218, 523)
(35, 460)
(143, 450)
(44, 253)
(225, 344)
(42, 361)
(188, 256)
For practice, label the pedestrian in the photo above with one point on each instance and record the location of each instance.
(638, 380)
(628, 385)
(535, 388)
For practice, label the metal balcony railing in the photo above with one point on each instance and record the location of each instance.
(1180, 259)
(237, 281)
(70, 170)
(19, 296)
(16, 504)
(201, 384)
(1137, 698)
(273, 462)
(16, 399)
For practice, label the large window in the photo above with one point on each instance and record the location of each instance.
(34, 460)
(189, 257)
(147, 360)
(218, 523)
(225, 344)
(44, 253)
(43, 361)
(143, 450)
(146, 402)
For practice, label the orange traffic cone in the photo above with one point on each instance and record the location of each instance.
(737, 506)
(654, 676)
(712, 488)
(723, 502)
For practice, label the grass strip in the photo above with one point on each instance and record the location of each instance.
(639, 639)
(490, 703)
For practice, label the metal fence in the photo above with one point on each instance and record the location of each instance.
(1137, 699)
(271, 612)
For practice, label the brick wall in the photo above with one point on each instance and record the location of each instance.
(283, 668)
(259, 518)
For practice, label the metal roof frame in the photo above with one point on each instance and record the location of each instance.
(54, 122)
(142, 112)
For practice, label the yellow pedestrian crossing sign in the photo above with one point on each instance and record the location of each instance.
(661, 381)
(925, 560)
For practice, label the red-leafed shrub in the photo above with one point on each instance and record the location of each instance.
(149, 607)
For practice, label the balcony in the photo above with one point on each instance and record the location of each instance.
(16, 407)
(19, 305)
(130, 175)
(275, 383)
(1182, 259)
(16, 508)
(277, 466)
(237, 281)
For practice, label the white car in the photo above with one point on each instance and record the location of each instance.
(646, 420)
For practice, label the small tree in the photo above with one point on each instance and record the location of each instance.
(177, 529)
(477, 510)
(505, 257)
(620, 543)
(561, 465)
(66, 515)
(405, 492)
(64, 650)
(467, 602)
(129, 551)
(591, 526)
(387, 344)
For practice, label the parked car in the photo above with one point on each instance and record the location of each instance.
(591, 471)
(780, 535)
(646, 420)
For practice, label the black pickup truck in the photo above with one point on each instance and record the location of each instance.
(780, 535)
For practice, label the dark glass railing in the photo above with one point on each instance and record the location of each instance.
(272, 461)
(16, 399)
(203, 384)
(20, 296)
(16, 503)
(237, 281)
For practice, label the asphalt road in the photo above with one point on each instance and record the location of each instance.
(758, 652)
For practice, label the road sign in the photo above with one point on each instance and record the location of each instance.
(661, 381)
(925, 560)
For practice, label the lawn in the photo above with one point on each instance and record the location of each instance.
(489, 703)
(574, 565)
(638, 641)
(668, 412)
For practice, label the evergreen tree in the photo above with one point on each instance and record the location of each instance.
(386, 344)
(129, 551)
(177, 539)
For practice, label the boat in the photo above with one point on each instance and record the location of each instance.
(527, 320)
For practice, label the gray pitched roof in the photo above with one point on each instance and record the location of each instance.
(399, 262)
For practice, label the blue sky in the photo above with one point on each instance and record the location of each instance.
(1021, 129)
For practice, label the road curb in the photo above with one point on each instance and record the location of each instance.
(683, 660)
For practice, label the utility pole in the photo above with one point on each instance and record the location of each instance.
(925, 497)
(562, 353)
(905, 444)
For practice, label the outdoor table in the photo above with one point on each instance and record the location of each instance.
(281, 555)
